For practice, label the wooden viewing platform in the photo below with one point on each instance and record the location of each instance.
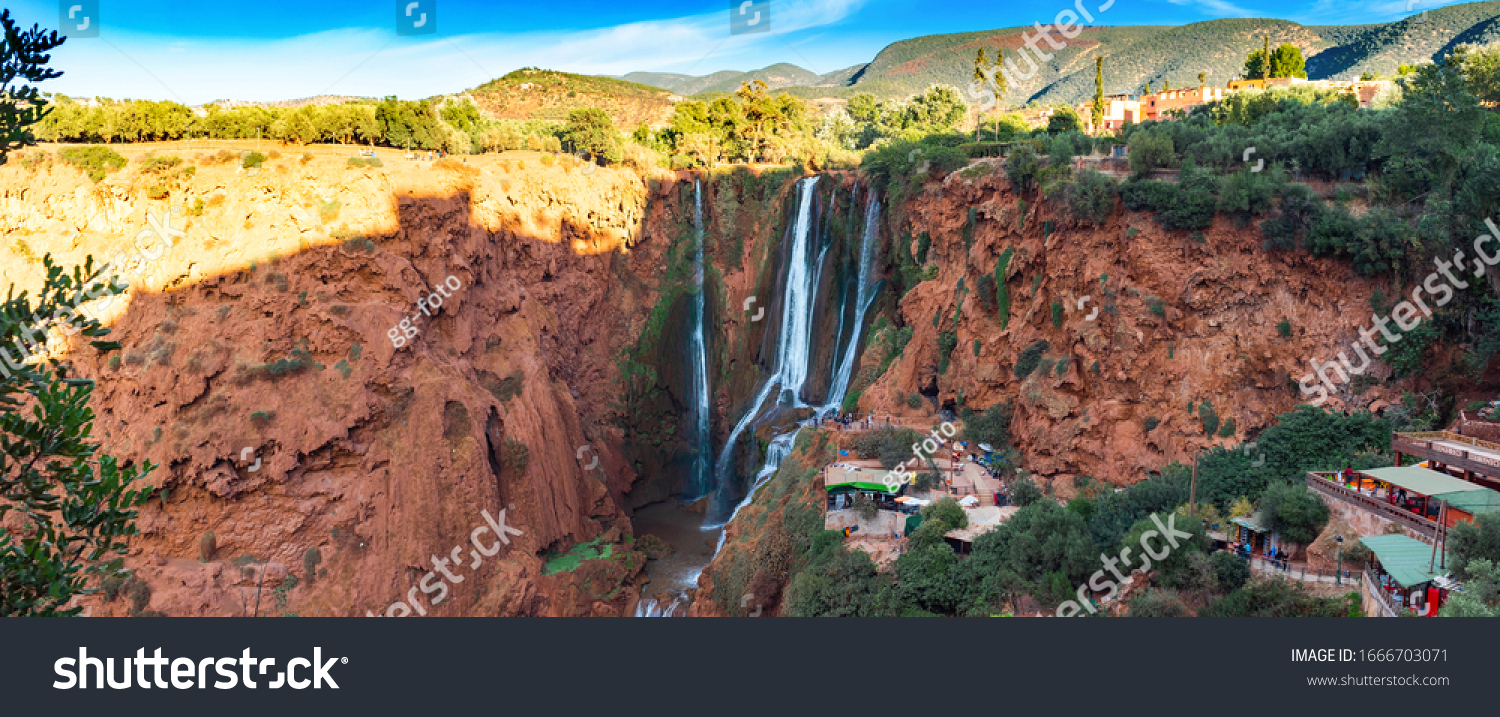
(1479, 460)
(1325, 483)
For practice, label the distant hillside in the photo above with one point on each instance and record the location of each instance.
(1134, 56)
(776, 77)
(531, 93)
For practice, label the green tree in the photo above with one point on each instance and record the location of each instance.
(1064, 119)
(1292, 511)
(1000, 84)
(1416, 159)
(1230, 570)
(1481, 593)
(1286, 61)
(23, 55)
(981, 68)
(1098, 93)
(1024, 492)
(991, 427)
(65, 508)
(1479, 540)
(837, 582)
(72, 506)
(1480, 67)
(409, 125)
(589, 130)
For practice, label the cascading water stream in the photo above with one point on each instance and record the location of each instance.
(794, 345)
(793, 356)
(701, 478)
(864, 295)
(781, 446)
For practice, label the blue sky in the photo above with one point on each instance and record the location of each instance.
(280, 49)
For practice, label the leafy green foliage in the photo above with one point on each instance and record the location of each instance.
(94, 161)
(23, 55)
(1157, 602)
(991, 427)
(1024, 492)
(1286, 61)
(70, 507)
(888, 444)
(1481, 594)
(1002, 296)
(1479, 540)
(1231, 571)
(1293, 512)
(1275, 597)
(1029, 358)
(590, 130)
(1090, 196)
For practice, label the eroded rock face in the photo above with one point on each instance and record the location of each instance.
(1167, 320)
(285, 418)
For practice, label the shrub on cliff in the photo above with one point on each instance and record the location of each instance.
(1157, 602)
(95, 161)
(1090, 196)
(991, 427)
(515, 455)
(206, 547)
(887, 444)
(1029, 358)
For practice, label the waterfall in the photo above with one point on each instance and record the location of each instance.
(650, 607)
(793, 349)
(864, 295)
(781, 447)
(699, 349)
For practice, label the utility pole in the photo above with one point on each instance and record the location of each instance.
(1193, 492)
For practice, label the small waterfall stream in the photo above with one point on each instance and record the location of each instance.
(701, 479)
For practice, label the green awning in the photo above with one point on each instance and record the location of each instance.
(1439, 486)
(1249, 523)
(860, 486)
(1405, 559)
(1423, 481)
(1472, 501)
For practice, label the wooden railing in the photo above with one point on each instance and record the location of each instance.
(1450, 436)
(1424, 527)
(1424, 445)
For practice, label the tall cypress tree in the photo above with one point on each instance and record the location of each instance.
(1265, 64)
(1098, 92)
(1001, 85)
(979, 63)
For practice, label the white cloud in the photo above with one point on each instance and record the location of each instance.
(375, 62)
(1217, 8)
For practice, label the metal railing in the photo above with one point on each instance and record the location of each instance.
(1424, 527)
(1387, 603)
(1301, 572)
